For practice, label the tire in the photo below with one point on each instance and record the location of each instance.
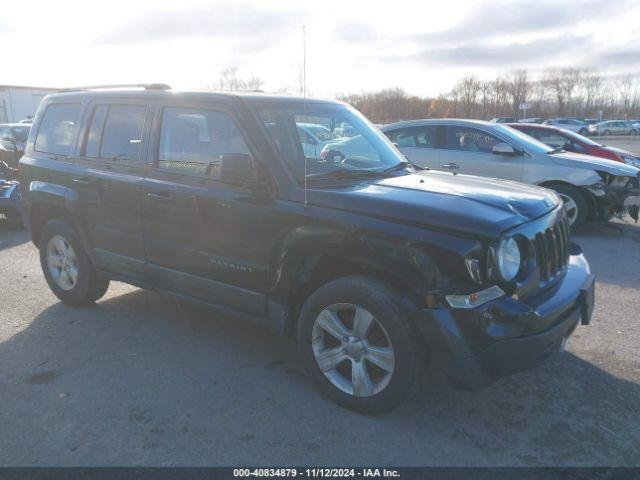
(583, 132)
(633, 132)
(575, 204)
(404, 362)
(606, 133)
(56, 239)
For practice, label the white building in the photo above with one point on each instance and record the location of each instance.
(17, 103)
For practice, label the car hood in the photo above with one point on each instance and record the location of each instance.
(589, 162)
(461, 203)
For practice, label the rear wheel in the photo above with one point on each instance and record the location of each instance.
(358, 346)
(575, 204)
(67, 267)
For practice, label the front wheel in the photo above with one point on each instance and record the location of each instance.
(358, 346)
(583, 131)
(606, 133)
(67, 267)
(575, 205)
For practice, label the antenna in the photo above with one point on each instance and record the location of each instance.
(304, 103)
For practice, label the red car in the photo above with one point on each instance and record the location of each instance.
(574, 142)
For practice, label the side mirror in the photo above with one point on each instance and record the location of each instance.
(238, 168)
(503, 149)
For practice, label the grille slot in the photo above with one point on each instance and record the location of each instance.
(552, 250)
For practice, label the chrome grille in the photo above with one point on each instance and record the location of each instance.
(552, 249)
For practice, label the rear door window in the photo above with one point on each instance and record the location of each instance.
(122, 133)
(468, 139)
(421, 137)
(58, 129)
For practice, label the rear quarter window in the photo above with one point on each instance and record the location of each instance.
(58, 129)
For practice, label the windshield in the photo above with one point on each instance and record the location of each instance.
(353, 145)
(322, 133)
(523, 140)
(580, 138)
(20, 133)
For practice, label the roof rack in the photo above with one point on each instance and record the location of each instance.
(146, 86)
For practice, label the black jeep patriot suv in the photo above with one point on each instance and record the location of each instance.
(378, 268)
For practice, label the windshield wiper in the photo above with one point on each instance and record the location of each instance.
(398, 166)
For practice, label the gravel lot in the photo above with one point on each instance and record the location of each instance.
(143, 380)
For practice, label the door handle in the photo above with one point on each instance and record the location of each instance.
(162, 197)
(451, 166)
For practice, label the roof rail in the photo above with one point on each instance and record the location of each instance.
(146, 86)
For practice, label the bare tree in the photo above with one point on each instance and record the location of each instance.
(519, 88)
(562, 82)
(624, 85)
(229, 80)
(592, 86)
(466, 93)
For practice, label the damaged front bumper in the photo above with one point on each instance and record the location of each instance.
(616, 197)
(475, 346)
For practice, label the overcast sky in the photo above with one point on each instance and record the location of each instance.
(423, 47)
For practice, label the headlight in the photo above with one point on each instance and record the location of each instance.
(509, 258)
(631, 161)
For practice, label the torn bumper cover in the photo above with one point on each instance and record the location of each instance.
(616, 196)
(476, 346)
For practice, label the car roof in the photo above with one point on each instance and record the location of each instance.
(438, 121)
(204, 95)
(534, 125)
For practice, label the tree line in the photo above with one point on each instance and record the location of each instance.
(554, 92)
(563, 92)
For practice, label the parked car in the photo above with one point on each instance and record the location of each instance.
(612, 127)
(571, 124)
(314, 138)
(592, 188)
(13, 138)
(530, 120)
(574, 142)
(375, 266)
(9, 193)
(503, 120)
(354, 148)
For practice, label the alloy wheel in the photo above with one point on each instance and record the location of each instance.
(571, 207)
(353, 350)
(62, 262)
